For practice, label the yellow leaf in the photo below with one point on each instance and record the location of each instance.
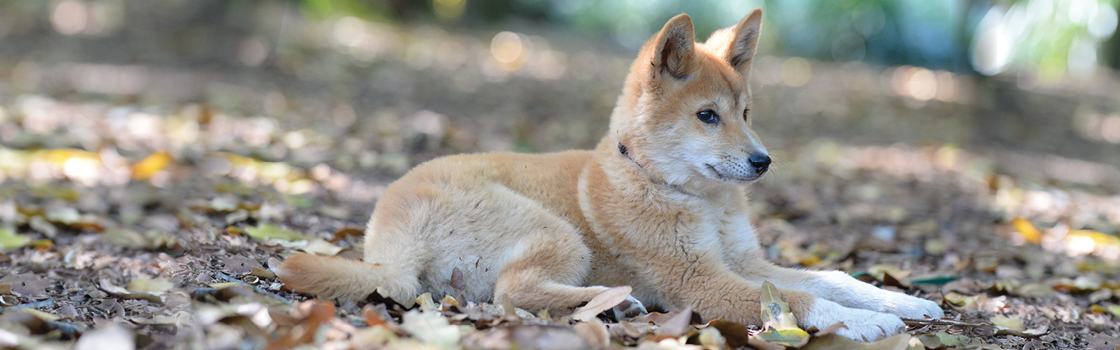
(141, 284)
(264, 232)
(792, 337)
(1008, 322)
(426, 302)
(959, 300)
(9, 239)
(775, 311)
(150, 165)
(781, 325)
(1112, 309)
(1027, 229)
(41, 244)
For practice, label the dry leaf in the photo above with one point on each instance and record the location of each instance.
(602, 302)
(431, 328)
(781, 326)
(157, 285)
(1027, 230)
(594, 333)
(151, 165)
(837, 342)
(10, 240)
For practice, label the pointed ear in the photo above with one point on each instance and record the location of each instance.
(744, 42)
(673, 49)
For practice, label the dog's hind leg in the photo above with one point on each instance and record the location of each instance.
(545, 261)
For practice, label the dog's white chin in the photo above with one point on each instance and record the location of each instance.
(714, 174)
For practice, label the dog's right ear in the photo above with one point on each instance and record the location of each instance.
(674, 52)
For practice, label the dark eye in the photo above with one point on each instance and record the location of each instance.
(746, 112)
(708, 116)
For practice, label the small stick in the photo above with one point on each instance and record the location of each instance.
(256, 288)
(940, 322)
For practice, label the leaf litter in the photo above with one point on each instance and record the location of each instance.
(163, 233)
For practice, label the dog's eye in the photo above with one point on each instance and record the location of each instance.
(746, 112)
(708, 116)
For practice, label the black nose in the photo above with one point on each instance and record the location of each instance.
(760, 162)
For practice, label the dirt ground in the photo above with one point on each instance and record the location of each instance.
(143, 200)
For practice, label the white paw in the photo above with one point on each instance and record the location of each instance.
(903, 305)
(850, 292)
(629, 308)
(862, 325)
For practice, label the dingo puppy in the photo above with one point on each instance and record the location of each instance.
(659, 205)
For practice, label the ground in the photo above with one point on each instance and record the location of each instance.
(147, 203)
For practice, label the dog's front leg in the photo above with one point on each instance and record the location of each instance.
(741, 250)
(699, 279)
(848, 291)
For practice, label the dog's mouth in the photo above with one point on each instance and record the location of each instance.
(718, 175)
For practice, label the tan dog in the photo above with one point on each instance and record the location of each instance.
(659, 205)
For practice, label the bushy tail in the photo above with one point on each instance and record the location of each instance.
(345, 279)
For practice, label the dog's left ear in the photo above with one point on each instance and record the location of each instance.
(743, 42)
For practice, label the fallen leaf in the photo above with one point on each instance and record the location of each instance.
(265, 231)
(10, 240)
(157, 285)
(150, 165)
(426, 303)
(837, 342)
(27, 285)
(457, 279)
(431, 328)
(1111, 309)
(1008, 322)
(736, 334)
(1027, 230)
(602, 302)
(778, 320)
(710, 338)
(261, 272)
(344, 233)
(123, 293)
(775, 311)
(677, 325)
(594, 333)
(109, 336)
(1025, 333)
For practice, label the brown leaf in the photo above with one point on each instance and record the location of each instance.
(594, 333)
(344, 233)
(677, 325)
(27, 285)
(837, 342)
(737, 335)
(654, 317)
(457, 279)
(262, 273)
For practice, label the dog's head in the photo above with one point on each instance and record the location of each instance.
(684, 115)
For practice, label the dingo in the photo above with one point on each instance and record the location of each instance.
(659, 205)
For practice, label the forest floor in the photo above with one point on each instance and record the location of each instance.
(146, 204)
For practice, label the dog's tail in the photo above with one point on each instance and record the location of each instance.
(345, 279)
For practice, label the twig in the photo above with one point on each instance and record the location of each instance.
(256, 288)
(936, 321)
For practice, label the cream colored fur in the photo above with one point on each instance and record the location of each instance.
(659, 205)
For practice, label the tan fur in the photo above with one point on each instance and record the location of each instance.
(668, 217)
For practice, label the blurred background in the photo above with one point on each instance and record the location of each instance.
(370, 88)
(977, 139)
